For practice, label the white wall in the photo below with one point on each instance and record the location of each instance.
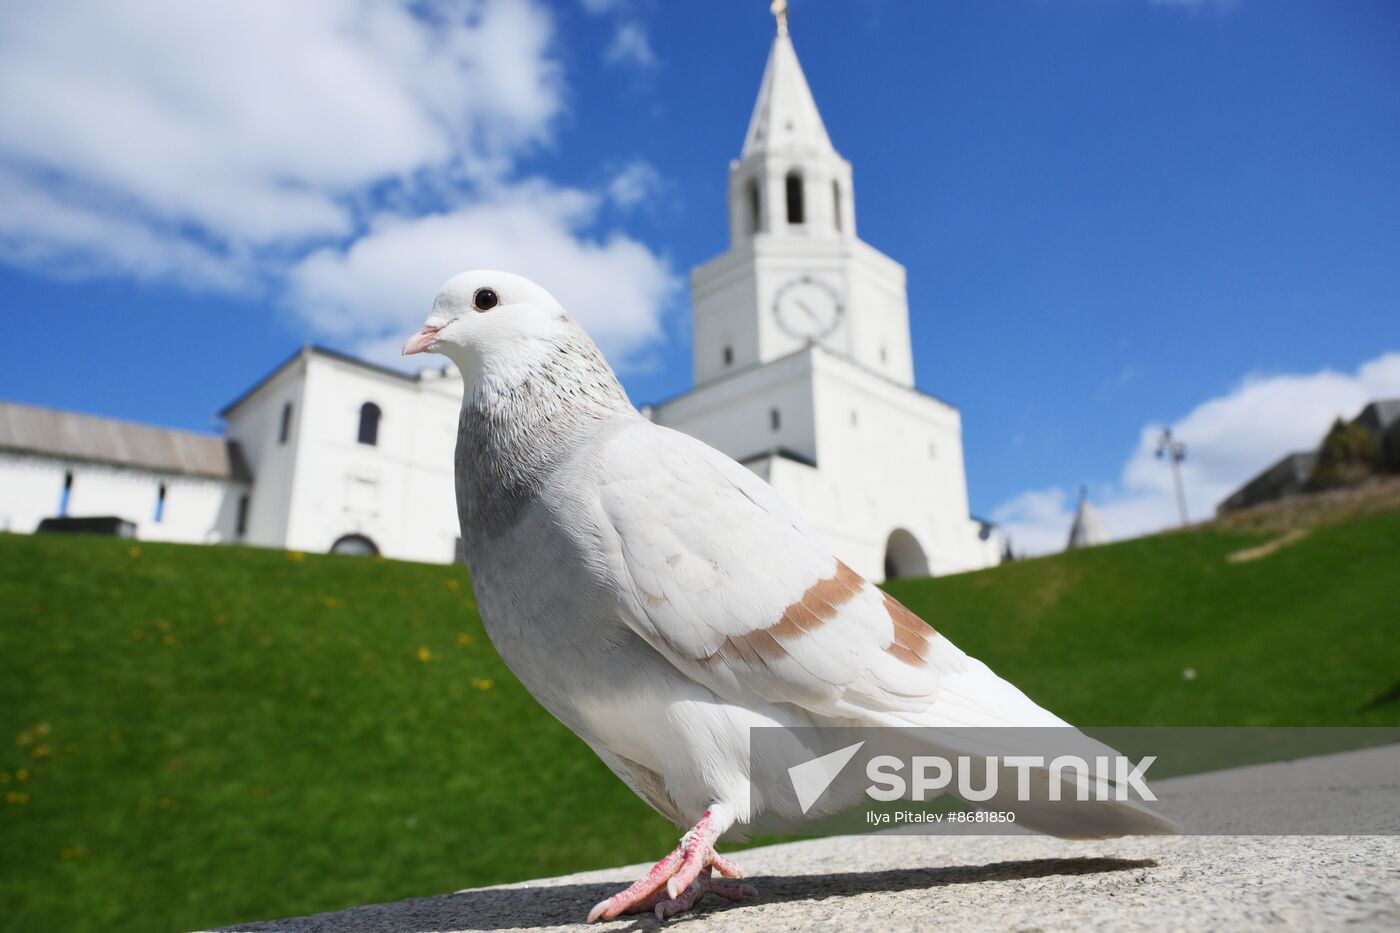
(734, 415)
(198, 510)
(256, 424)
(899, 464)
(399, 493)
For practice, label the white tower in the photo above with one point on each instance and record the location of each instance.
(795, 273)
(1088, 528)
(803, 367)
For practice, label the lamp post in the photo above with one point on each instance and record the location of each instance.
(1170, 448)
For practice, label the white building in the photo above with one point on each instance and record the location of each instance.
(803, 365)
(803, 371)
(171, 485)
(326, 453)
(352, 457)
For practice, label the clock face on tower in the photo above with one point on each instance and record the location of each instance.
(807, 308)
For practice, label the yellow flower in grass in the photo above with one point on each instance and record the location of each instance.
(454, 585)
(296, 557)
(464, 639)
(424, 654)
(22, 774)
(483, 683)
(41, 751)
(18, 798)
(71, 853)
(133, 551)
(332, 603)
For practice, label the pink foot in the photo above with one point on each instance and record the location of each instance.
(680, 880)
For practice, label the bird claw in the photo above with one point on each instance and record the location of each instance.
(668, 908)
(678, 881)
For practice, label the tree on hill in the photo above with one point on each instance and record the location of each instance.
(1347, 456)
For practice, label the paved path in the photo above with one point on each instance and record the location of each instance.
(1015, 882)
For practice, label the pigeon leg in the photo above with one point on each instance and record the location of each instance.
(679, 880)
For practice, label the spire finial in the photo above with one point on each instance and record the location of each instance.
(779, 10)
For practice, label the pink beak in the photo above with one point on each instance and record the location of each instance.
(423, 340)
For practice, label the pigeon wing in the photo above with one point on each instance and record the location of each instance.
(728, 583)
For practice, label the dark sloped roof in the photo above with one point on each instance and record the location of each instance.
(73, 436)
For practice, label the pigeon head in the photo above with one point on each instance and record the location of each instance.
(488, 319)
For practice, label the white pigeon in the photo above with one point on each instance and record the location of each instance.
(661, 600)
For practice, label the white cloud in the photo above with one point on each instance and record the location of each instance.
(637, 182)
(353, 152)
(380, 288)
(259, 122)
(1229, 439)
(630, 45)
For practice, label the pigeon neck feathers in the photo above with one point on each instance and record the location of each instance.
(517, 426)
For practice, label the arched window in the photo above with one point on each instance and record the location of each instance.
(755, 208)
(369, 423)
(836, 204)
(775, 419)
(795, 212)
(285, 431)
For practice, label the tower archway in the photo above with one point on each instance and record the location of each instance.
(904, 556)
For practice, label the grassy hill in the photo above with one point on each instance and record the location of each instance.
(193, 736)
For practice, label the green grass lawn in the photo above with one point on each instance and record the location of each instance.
(192, 736)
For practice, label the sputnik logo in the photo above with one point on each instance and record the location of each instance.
(811, 778)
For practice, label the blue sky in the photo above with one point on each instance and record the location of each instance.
(1115, 214)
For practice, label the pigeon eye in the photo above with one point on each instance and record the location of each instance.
(485, 299)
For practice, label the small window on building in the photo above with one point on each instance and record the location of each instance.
(855, 418)
(240, 526)
(755, 206)
(775, 419)
(285, 431)
(728, 355)
(884, 356)
(836, 204)
(795, 209)
(369, 424)
(160, 503)
(67, 494)
(932, 450)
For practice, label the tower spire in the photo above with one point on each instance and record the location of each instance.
(785, 116)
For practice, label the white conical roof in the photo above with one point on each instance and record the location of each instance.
(1088, 529)
(785, 117)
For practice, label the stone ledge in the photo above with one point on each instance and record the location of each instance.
(1015, 882)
